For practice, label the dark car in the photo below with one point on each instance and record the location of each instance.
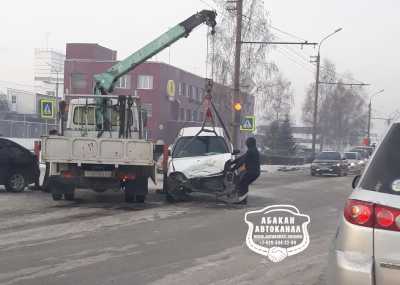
(329, 162)
(18, 166)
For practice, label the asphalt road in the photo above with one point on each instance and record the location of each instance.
(99, 239)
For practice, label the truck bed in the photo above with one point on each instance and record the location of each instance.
(88, 150)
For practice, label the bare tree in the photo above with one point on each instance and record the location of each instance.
(342, 111)
(254, 64)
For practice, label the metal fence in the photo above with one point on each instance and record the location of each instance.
(25, 129)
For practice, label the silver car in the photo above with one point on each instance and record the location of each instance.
(366, 248)
(356, 163)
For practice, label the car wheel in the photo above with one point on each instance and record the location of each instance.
(312, 173)
(16, 183)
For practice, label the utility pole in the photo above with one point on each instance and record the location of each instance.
(315, 115)
(236, 80)
(369, 123)
(369, 115)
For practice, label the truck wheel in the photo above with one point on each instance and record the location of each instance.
(129, 196)
(140, 198)
(70, 196)
(56, 196)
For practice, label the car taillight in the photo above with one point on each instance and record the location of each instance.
(372, 215)
(67, 174)
(359, 213)
(387, 218)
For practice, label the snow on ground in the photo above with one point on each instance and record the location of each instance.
(276, 168)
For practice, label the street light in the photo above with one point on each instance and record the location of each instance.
(369, 114)
(314, 130)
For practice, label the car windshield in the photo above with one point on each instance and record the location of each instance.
(328, 156)
(383, 174)
(199, 146)
(350, 155)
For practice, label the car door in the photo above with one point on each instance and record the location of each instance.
(3, 161)
(21, 160)
(382, 178)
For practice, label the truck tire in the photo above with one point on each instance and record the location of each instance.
(56, 196)
(70, 196)
(129, 195)
(140, 198)
(136, 190)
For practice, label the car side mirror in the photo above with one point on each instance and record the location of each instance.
(356, 179)
(235, 151)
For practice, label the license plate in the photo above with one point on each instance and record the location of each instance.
(324, 168)
(101, 174)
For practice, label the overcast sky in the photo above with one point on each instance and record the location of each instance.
(368, 46)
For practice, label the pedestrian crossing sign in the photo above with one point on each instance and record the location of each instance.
(47, 109)
(248, 123)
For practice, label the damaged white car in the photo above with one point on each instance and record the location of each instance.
(199, 162)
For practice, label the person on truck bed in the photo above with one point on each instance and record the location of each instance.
(250, 161)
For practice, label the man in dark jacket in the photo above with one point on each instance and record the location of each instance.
(250, 161)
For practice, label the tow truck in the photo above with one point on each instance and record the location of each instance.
(102, 145)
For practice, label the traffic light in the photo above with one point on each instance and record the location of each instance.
(237, 106)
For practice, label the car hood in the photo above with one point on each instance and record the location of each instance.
(199, 166)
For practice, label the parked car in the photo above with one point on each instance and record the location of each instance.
(329, 162)
(363, 153)
(366, 249)
(19, 167)
(356, 163)
(368, 149)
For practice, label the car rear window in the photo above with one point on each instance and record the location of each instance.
(200, 146)
(350, 155)
(329, 156)
(383, 173)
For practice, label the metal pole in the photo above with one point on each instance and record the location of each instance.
(314, 134)
(314, 129)
(57, 115)
(369, 121)
(236, 83)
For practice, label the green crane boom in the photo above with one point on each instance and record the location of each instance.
(104, 82)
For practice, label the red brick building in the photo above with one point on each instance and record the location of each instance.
(167, 112)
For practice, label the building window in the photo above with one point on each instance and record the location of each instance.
(78, 81)
(183, 89)
(13, 99)
(149, 109)
(195, 116)
(145, 82)
(124, 82)
(180, 89)
(188, 90)
(188, 115)
(182, 114)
